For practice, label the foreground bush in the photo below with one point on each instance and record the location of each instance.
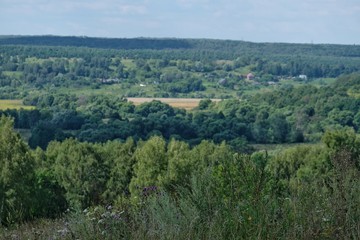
(229, 200)
(127, 191)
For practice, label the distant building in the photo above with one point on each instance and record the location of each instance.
(222, 81)
(250, 76)
(303, 77)
(110, 80)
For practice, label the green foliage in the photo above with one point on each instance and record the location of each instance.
(302, 164)
(16, 175)
(96, 80)
(204, 104)
(204, 192)
(119, 158)
(176, 177)
(150, 166)
(341, 139)
(163, 66)
(179, 166)
(154, 107)
(80, 170)
(289, 114)
(344, 141)
(43, 133)
(49, 196)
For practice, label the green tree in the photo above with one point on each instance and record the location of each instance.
(150, 166)
(43, 133)
(204, 104)
(16, 175)
(279, 128)
(49, 195)
(179, 166)
(260, 127)
(344, 141)
(80, 170)
(119, 157)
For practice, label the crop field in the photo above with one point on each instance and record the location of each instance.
(186, 103)
(13, 104)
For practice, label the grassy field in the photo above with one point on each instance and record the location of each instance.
(13, 104)
(10, 74)
(278, 147)
(186, 103)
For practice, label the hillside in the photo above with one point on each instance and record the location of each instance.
(229, 46)
(195, 68)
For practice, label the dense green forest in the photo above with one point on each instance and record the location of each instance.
(83, 162)
(225, 46)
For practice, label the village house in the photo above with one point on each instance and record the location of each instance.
(222, 81)
(110, 80)
(250, 76)
(303, 77)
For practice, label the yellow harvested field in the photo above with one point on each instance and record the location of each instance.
(186, 103)
(13, 104)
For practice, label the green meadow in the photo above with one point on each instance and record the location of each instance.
(13, 104)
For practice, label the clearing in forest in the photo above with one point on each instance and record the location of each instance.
(186, 103)
(13, 104)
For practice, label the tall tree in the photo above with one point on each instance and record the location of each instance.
(16, 175)
(80, 170)
(151, 165)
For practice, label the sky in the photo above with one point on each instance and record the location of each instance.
(293, 21)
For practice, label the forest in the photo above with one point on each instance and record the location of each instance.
(277, 157)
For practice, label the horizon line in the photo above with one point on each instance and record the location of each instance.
(172, 38)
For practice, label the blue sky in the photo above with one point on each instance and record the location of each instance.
(300, 21)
